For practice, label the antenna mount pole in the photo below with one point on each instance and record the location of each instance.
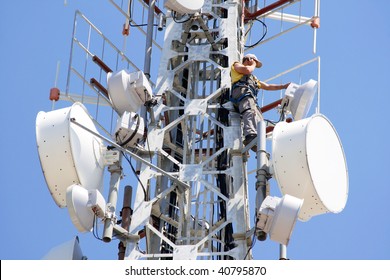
(262, 171)
(149, 39)
(126, 218)
(116, 175)
(282, 252)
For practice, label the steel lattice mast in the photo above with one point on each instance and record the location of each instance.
(192, 136)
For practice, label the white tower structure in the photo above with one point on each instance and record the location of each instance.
(194, 137)
(191, 197)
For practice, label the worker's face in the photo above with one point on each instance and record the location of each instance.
(247, 61)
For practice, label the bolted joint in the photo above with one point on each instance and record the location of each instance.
(110, 213)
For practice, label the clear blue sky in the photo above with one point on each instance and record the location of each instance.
(354, 45)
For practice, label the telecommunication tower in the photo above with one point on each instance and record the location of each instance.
(182, 139)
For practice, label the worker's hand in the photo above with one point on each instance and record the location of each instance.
(245, 69)
(253, 63)
(286, 85)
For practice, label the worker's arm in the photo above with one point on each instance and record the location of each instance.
(245, 70)
(266, 86)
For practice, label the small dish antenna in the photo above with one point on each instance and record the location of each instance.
(309, 163)
(128, 91)
(129, 129)
(69, 250)
(184, 6)
(299, 98)
(83, 205)
(277, 216)
(69, 154)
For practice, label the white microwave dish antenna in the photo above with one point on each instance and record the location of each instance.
(277, 216)
(83, 205)
(309, 163)
(300, 98)
(184, 6)
(128, 91)
(69, 250)
(69, 154)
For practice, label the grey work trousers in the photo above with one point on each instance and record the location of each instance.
(250, 115)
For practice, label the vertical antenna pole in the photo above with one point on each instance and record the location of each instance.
(57, 72)
(71, 52)
(282, 252)
(116, 175)
(126, 27)
(316, 14)
(55, 82)
(149, 39)
(126, 218)
(148, 54)
(127, 22)
(261, 174)
(319, 86)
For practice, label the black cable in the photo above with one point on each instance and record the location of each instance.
(140, 25)
(122, 144)
(146, 125)
(136, 25)
(253, 240)
(176, 20)
(271, 122)
(136, 175)
(282, 116)
(262, 37)
(95, 229)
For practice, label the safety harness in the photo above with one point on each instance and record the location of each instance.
(249, 82)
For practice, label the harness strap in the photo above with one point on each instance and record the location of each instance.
(247, 109)
(236, 101)
(243, 82)
(251, 94)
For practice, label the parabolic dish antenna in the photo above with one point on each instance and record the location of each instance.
(300, 98)
(184, 6)
(68, 153)
(309, 163)
(81, 215)
(128, 91)
(278, 217)
(70, 250)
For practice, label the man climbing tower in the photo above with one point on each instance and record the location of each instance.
(245, 86)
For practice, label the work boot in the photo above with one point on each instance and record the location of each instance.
(248, 139)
